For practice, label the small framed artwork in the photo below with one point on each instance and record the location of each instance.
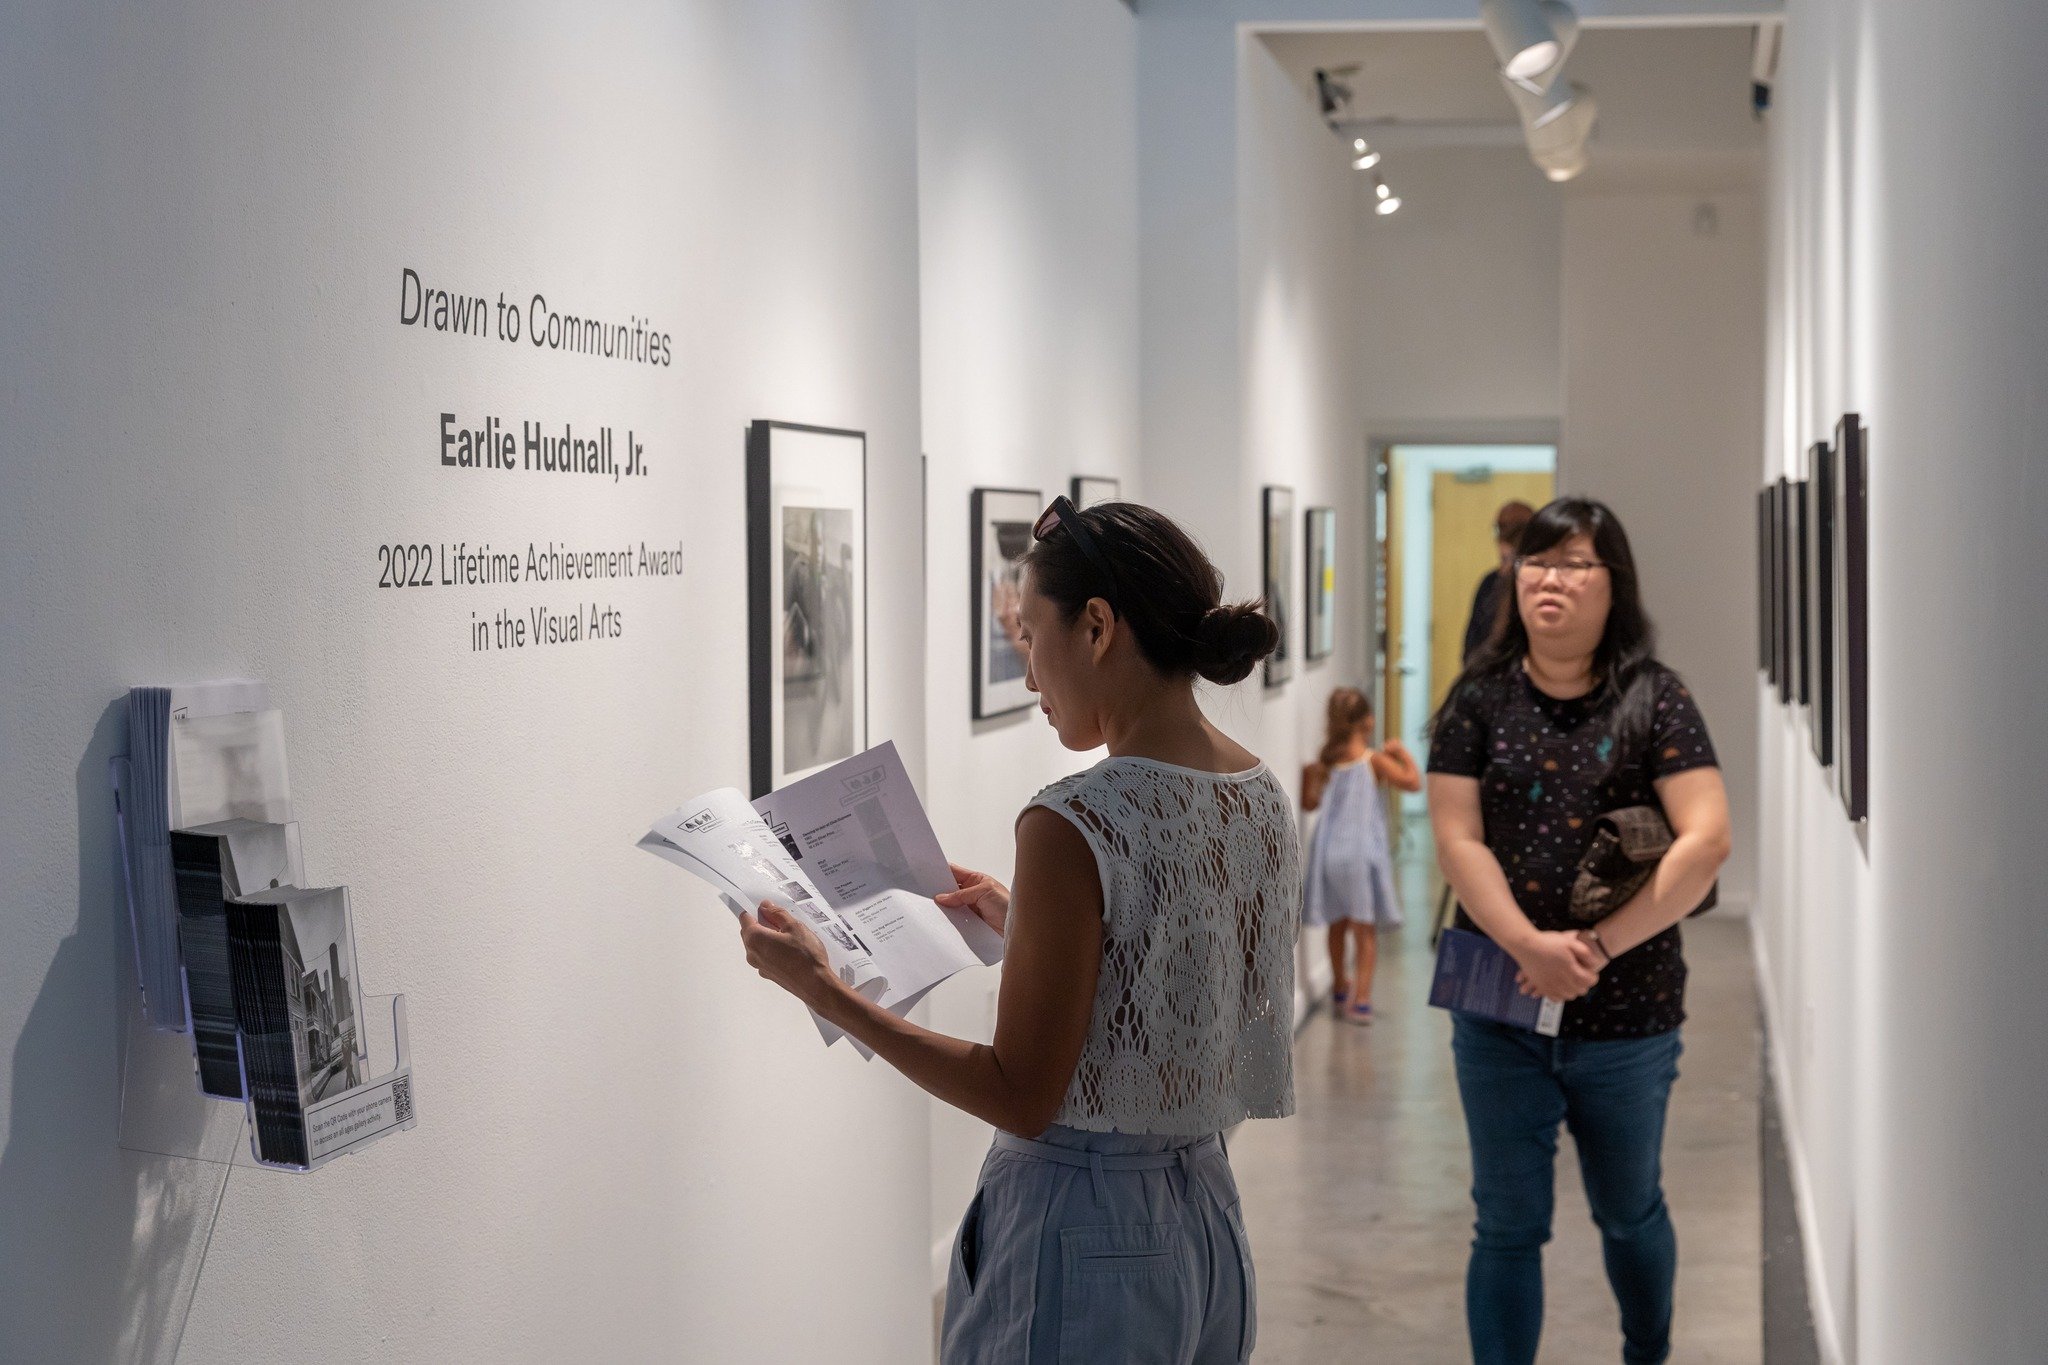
(1802, 622)
(1002, 522)
(1788, 670)
(1319, 542)
(1278, 557)
(807, 603)
(1820, 599)
(1766, 623)
(1087, 490)
(1852, 617)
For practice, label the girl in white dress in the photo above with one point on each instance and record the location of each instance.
(1349, 883)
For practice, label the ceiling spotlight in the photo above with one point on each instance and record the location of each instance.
(1366, 158)
(1387, 205)
(1558, 123)
(1531, 37)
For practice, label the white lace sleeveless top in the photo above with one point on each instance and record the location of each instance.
(1193, 1020)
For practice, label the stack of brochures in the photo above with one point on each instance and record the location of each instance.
(230, 946)
(850, 851)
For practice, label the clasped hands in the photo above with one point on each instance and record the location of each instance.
(1556, 964)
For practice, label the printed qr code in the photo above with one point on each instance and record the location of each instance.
(401, 1098)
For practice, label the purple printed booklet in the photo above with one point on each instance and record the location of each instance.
(1475, 975)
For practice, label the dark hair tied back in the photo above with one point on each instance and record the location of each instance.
(1166, 590)
(1233, 639)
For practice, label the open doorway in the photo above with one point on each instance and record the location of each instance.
(1437, 504)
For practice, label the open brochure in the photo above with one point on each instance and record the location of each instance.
(851, 850)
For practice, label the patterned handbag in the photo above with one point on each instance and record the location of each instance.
(1626, 848)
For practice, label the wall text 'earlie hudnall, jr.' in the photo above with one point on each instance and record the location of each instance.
(540, 449)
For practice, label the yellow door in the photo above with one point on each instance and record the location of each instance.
(1462, 508)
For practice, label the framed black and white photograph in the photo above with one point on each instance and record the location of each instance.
(1852, 618)
(1319, 542)
(807, 606)
(1002, 522)
(1820, 599)
(1086, 490)
(1278, 558)
(1766, 589)
(1788, 624)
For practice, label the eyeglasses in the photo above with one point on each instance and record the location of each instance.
(1570, 572)
(1062, 512)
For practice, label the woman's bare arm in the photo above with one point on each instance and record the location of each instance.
(1051, 959)
(1696, 804)
(1555, 964)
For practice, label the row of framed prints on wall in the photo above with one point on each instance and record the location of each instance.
(1813, 604)
(807, 606)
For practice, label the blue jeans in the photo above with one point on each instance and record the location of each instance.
(1517, 1086)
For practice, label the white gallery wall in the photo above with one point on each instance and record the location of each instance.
(1902, 959)
(629, 1148)
(1663, 334)
(1027, 212)
(1459, 295)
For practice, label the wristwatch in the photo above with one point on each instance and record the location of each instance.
(1592, 936)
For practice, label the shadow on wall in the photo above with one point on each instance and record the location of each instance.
(103, 1245)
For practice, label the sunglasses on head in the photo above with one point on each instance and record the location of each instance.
(1062, 512)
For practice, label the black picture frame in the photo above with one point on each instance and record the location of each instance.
(1319, 583)
(1766, 621)
(1000, 524)
(1086, 490)
(829, 466)
(1788, 669)
(1276, 556)
(1852, 694)
(1802, 621)
(1820, 588)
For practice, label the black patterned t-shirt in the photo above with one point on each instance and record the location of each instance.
(1547, 769)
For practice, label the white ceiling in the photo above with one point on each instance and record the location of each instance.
(1674, 102)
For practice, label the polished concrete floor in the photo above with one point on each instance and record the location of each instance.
(1358, 1206)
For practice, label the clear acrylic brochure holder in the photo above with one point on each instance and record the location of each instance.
(182, 1147)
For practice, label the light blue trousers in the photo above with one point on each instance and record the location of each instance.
(1101, 1249)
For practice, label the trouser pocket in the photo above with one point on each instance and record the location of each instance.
(1127, 1295)
(1248, 1281)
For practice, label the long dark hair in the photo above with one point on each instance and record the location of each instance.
(1624, 673)
(1166, 590)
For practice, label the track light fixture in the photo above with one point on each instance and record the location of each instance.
(1557, 115)
(1389, 202)
(1531, 37)
(1363, 157)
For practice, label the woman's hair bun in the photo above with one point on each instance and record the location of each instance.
(1231, 640)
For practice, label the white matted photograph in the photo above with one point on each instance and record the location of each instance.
(807, 598)
(1002, 522)
(1320, 530)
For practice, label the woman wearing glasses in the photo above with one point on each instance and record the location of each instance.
(1561, 717)
(1148, 977)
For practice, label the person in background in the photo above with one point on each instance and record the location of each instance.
(1349, 886)
(1490, 600)
(1564, 715)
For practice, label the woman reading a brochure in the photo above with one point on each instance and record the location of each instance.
(1563, 722)
(1148, 976)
